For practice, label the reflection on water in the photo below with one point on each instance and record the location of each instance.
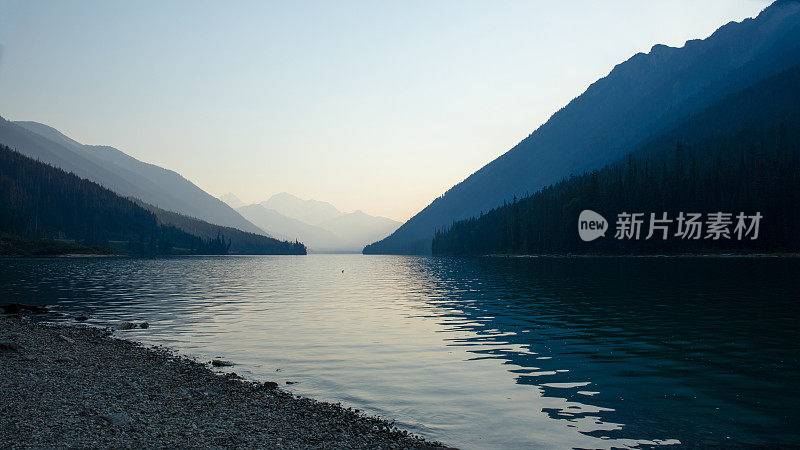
(484, 352)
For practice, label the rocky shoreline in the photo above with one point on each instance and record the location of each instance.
(78, 386)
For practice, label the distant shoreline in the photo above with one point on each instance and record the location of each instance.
(78, 386)
(17, 246)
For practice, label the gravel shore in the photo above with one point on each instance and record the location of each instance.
(76, 386)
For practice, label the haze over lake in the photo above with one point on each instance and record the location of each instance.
(365, 225)
(475, 352)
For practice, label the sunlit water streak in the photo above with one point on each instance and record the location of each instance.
(478, 353)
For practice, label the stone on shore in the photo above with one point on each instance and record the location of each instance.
(118, 419)
(8, 345)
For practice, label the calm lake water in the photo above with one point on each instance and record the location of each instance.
(481, 352)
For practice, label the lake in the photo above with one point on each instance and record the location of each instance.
(476, 352)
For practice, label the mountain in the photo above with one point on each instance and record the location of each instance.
(283, 227)
(318, 224)
(39, 201)
(639, 98)
(742, 154)
(241, 242)
(120, 173)
(309, 211)
(232, 200)
(358, 229)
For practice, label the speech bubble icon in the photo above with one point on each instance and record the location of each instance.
(591, 225)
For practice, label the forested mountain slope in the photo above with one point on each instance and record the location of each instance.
(740, 155)
(241, 242)
(640, 98)
(120, 173)
(40, 201)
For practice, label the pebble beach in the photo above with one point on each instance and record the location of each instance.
(75, 386)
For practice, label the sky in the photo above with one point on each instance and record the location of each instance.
(378, 106)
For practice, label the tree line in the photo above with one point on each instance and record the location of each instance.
(239, 242)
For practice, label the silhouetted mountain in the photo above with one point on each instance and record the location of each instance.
(241, 242)
(740, 155)
(119, 172)
(38, 201)
(232, 200)
(319, 225)
(640, 98)
(312, 212)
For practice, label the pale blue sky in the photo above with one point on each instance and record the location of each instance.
(369, 105)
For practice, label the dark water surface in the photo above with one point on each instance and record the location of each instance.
(478, 353)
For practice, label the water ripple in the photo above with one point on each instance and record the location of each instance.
(480, 353)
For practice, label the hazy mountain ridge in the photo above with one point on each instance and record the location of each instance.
(359, 228)
(40, 201)
(639, 98)
(320, 225)
(284, 227)
(232, 200)
(121, 173)
(312, 212)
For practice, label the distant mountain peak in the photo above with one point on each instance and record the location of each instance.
(232, 200)
(318, 224)
(282, 195)
(287, 197)
(311, 212)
